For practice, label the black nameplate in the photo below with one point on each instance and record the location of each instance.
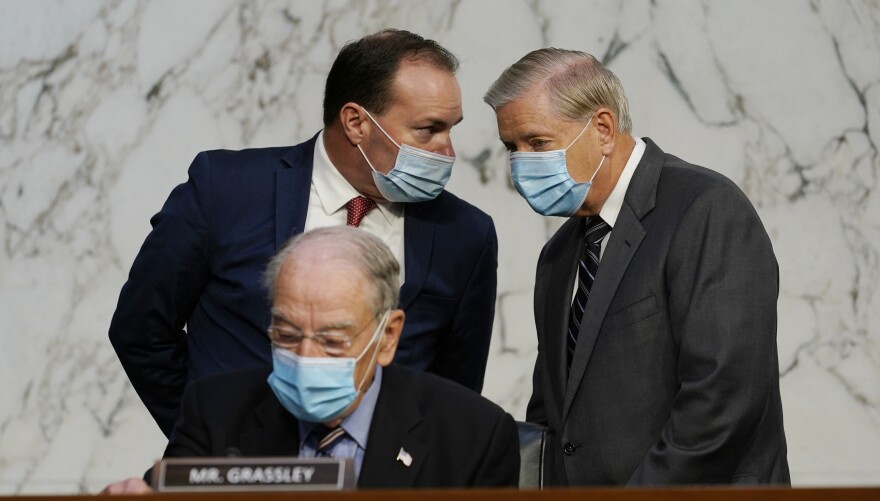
(253, 474)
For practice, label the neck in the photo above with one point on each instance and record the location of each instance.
(606, 179)
(346, 159)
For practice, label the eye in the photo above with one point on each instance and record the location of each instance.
(334, 344)
(333, 339)
(284, 336)
(538, 143)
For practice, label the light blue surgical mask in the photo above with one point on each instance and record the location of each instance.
(318, 389)
(542, 178)
(418, 175)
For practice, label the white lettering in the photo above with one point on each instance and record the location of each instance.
(258, 475)
(306, 472)
(233, 476)
(205, 476)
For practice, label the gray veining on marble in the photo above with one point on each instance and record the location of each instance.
(103, 104)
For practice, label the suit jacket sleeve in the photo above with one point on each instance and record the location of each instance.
(500, 465)
(166, 281)
(535, 411)
(462, 356)
(190, 433)
(723, 284)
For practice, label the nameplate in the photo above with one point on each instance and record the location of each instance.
(253, 474)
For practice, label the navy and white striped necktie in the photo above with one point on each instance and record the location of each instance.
(589, 263)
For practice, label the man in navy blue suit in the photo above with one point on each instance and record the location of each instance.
(195, 303)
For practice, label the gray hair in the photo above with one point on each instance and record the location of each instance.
(578, 84)
(363, 250)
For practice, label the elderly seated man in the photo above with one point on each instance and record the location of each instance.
(334, 332)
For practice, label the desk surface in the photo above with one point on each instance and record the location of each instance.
(603, 494)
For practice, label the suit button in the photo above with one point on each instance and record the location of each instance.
(568, 449)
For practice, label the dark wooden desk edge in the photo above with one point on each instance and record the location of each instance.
(596, 494)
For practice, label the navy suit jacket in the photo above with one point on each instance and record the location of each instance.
(675, 378)
(456, 437)
(202, 268)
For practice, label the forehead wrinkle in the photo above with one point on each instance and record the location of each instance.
(277, 314)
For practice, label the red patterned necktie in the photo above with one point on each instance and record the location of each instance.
(358, 207)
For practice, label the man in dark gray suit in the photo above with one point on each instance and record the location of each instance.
(655, 303)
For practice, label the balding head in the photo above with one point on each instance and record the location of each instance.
(341, 247)
(576, 83)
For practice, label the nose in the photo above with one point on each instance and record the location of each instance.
(309, 348)
(444, 146)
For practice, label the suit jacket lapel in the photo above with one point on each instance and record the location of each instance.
(418, 234)
(276, 432)
(553, 297)
(625, 239)
(626, 236)
(293, 183)
(395, 417)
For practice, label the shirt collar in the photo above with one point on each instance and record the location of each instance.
(356, 424)
(611, 208)
(334, 191)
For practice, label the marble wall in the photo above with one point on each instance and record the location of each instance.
(103, 103)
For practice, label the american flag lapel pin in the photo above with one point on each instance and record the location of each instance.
(404, 457)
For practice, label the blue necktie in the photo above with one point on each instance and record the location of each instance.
(589, 263)
(327, 438)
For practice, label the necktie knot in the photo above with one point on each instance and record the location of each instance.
(327, 437)
(358, 207)
(596, 230)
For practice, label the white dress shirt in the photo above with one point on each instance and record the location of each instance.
(611, 208)
(329, 194)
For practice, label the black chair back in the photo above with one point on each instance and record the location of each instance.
(532, 442)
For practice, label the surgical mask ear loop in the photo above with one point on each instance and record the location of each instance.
(380, 127)
(597, 169)
(572, 144)
(575, 139)
(376, 335)
(383, 132)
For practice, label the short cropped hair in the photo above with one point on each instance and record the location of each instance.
(364, 69)
(366, 252)
(578, 84)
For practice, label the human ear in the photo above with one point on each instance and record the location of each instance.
(353, 121)
(390, 337)
(606, 128)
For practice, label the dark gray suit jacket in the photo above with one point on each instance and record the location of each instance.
(675, 378)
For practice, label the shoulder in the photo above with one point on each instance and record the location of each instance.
(453, 207)
(450, 213)
(231, 390)
(247, 160)
(686, 185)
(253, 160)
(246, 156)
(435, 394)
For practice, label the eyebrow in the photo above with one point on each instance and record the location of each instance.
(437, 122)
(341, 325)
